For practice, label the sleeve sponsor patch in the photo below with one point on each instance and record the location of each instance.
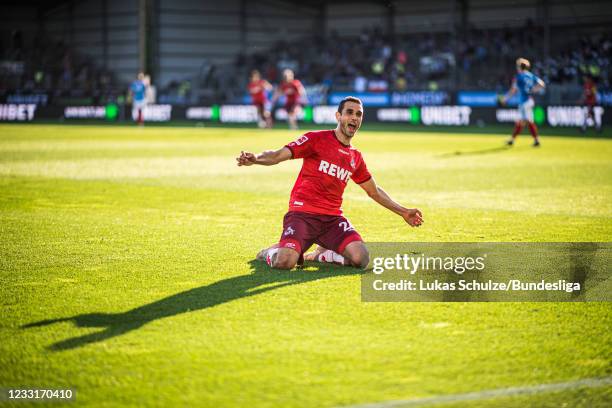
(303, 139)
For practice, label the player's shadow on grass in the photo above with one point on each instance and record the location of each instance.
(459, 153)
(261, 280)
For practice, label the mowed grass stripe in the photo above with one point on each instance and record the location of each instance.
(490, 394)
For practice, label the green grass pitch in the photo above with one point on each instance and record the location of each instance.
(133, 250)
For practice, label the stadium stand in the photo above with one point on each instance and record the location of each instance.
(204, 50)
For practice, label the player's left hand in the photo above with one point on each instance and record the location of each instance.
(413, 217)
(246, 159)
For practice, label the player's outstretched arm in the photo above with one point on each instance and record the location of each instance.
(302, 91)
(412, 216)
(267, 158)
(513, 89)
(539, 85)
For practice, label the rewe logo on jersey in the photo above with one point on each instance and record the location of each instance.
(334, 170)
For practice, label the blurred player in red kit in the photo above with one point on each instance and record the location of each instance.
(589, 99)
(257, 88)
(293, 91)
(314, 215)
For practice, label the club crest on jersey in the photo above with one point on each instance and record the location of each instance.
(289, 231)
(353, 163)
(334, 170)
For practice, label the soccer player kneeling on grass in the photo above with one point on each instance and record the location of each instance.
(314, 208)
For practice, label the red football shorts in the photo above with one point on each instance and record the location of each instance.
(291, 106)
(301, 230)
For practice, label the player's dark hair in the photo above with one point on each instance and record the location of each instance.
(348, 99)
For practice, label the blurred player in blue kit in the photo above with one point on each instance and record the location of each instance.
(526, 84)
(138, 91)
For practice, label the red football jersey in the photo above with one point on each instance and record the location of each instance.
(257, 90)
(291, 90)
(590, 93)
(328, 165)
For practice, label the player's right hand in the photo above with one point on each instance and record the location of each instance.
(246, 159)
(413, 217)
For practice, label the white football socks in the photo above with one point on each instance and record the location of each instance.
(330, 256)
(270, 254)
(327, 256)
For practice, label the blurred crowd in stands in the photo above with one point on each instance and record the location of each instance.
(373, 61)
(52, 67)
(477, 59)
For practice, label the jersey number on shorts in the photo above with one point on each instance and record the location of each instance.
(346, 226)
